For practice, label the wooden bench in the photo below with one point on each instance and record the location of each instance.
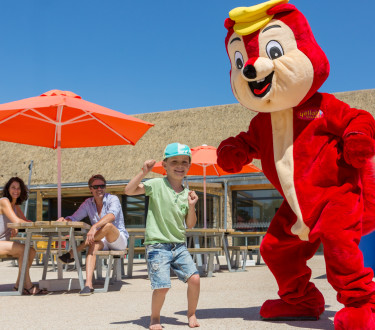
(115, 258)
(211, 253)
(140, 250)
(237, 252)
(256, 248)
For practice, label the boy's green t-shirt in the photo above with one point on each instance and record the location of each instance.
(166, 212)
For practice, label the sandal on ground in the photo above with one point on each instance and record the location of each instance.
(33, 291)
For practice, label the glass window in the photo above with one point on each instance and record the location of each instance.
(31, 207)
(68, 206)
(253, 210)
(135, 211)
(212, 208)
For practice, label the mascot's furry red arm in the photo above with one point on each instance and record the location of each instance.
(315, 150)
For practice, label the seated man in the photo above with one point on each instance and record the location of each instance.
(107, 231)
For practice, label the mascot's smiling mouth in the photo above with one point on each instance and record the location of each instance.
(261, 87)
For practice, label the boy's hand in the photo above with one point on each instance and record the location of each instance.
(192, 198)
(148, 165)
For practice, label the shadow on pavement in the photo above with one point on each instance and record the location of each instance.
(144, 321)
(252, 314)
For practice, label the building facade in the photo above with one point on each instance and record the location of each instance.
(242, 202)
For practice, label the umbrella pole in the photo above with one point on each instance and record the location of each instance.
(59, 172)
(204, 197)
(58, 182)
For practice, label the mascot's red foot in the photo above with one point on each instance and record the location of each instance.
(351, 318)
(279, 310)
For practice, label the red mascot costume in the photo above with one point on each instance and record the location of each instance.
(316, 151)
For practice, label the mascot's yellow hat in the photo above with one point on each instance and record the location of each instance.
(250, 19)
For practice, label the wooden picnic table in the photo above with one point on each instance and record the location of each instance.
(194, 237)
(133, 234)
(208, 249)
(206, 233)
(232, 233)
(50, 229)
(195, 234)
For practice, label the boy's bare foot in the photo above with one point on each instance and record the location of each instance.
(155, 324)
(193, 322)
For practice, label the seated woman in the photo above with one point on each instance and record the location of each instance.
(14, 193)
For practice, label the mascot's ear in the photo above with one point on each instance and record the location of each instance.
(283, 8)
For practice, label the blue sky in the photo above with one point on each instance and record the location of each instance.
(151, 56)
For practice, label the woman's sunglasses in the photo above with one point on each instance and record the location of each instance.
(97, 186)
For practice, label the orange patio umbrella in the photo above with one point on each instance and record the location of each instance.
(61, 119)
(204, 162)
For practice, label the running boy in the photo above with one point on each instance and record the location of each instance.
(170, 205)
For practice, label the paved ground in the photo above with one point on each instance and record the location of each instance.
(227, 301)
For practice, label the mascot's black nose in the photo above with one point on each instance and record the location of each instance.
(249, 72)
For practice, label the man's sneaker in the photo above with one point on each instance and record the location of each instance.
(86, 291)
(66, 258)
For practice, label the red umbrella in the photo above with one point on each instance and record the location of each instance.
(61, 119)
(204, 162)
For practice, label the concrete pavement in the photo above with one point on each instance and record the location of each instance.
(227, 301)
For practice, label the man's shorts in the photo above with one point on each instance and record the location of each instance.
(162, 257)
(120, 243)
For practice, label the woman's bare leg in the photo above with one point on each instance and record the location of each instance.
(17, 250)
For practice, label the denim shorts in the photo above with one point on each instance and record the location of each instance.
(161, 257)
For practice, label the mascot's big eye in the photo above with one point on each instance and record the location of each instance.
(238, 60)
(274, 50)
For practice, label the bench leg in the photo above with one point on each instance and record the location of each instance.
(231, 258)
(217, 259)
(210, 265)
(106, 282)
(117, 269)
(114, 270)
(53, 262)
(200, 270)
(235, 259)
(123, 267)
(258, 257)
(244, 257)
(237, 265)
(99, 268)
(227, 253)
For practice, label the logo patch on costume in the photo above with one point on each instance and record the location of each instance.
(309, 114)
